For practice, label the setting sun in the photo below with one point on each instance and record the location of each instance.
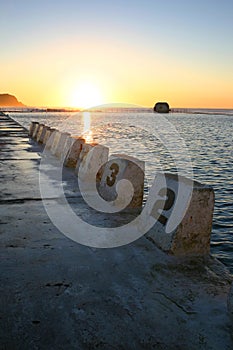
(86, 95)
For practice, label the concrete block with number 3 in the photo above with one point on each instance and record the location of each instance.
(121, 166)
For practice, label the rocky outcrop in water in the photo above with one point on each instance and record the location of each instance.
(161, 107)
(7, 100)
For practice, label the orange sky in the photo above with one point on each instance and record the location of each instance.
(64, 58)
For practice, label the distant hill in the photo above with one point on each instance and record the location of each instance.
(7, 100)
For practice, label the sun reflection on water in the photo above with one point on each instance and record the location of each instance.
(87, 132)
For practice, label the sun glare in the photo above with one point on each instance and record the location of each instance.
(86, 95)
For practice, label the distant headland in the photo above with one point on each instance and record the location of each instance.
(7, 100)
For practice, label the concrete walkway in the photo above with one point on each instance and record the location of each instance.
(57, 294)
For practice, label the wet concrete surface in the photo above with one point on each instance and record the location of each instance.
(58, 294)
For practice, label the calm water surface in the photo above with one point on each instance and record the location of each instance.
(208, 138)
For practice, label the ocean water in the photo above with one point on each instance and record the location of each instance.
(196, 143)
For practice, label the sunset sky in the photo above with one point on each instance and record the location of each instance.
(79, 53)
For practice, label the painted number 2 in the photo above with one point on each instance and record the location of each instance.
(164, 204)
(112, 178)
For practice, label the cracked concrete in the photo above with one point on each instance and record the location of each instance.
(57, 294)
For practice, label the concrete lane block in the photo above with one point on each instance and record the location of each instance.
(42, 135)
(67, 146)
(74, 153)
(39, 132)
(32, 127)
(86, 147)
(47, 135)
(89, 162)
(119, 167)
(61, 144)
(50, 135)
(183, 213)
(35, 130)
(56, 139)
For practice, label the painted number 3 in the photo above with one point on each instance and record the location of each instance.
(112, 178)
